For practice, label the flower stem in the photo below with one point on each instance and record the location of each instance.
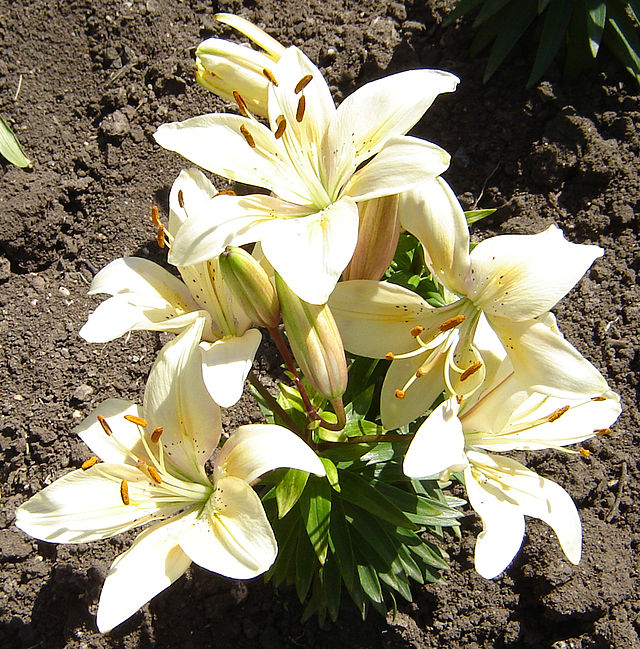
(368, 439)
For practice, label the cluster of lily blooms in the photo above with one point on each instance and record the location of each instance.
(341, 183)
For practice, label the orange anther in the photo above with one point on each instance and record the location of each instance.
(472, 369)
(556, 414)
(302, 103)
(584, 452)
(247, 136)
(225, 192)
(451, 323)
(242, 104)
(87, 464)
(267, 73)
(181, 198)
(389, 356)
(138, 421)
(602, 431)
(400, 394)
(155, 476)
(303, 83)
(600, 398)
(416, 331)
(282, 125)
(160, 236)
(105, 426)
(156, 434)
(155, 217)
(124, 492)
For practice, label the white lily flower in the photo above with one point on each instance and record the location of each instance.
(318, 161)
(153, 470)
(504, 417)
(509, 282)
(146, 296)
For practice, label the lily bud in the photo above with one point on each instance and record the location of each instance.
(315, 341)
(225, 68)
(378, 235)
(250, 285)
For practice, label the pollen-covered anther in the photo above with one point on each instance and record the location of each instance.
(302, 104)
(451, 323)
(124, 492)
(585, 452)
(154, 475)
(556, 414)
(267, 73)
(400, 394)
(600, 398)
(282, 125)
(105, 426)
(389, 356)
(155, 217)
(420, 373)
(416, 331)
(242, 104)
(472, 369)
(602, 431)
(459, 398)
(87, 464)
(160, 236)
(225, 192)
(303, 83)
(156, 434)
(247, 136)
(138, 421)
(181, 198)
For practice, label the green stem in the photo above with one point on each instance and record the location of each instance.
(368, 439)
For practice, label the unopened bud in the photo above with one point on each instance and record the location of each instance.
(250, 285)
(315, 341)
(378, 235)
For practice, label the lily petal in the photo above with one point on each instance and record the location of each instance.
(197, 193)
(256, 449)
(310, 252)
(523, 276)
(232, 535)
(252, 32)
(226, 364)
(438, 445)
(432, 213)
(151, 564)
(177, 400)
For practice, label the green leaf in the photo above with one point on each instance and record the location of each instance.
(289, 490)
(332, 586)
(287, 533)
(369, 581)
(485, 34)
(306, 567)
(634, 8)
(626, 43)
(596, 19)
(554, 30)
(542, 5)
(424, 550)
(516, 22)
(370, 533)
(332, 473)
(489, 9)
(340, 542)
(315, 507)
(463, 7)
(473, 216)
(10, 147)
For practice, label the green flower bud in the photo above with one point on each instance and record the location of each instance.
(315, 341)
(250, 285)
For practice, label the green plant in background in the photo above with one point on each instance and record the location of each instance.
(10, 147)
(573, 28)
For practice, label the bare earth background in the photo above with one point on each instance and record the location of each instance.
(97, 78)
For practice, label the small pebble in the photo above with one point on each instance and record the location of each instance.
(82, 392)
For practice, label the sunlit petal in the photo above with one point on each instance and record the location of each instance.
(197, 195)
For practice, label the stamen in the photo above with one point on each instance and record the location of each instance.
(472, 369)
(303, 83)
(105, 426)
(459, 398)
(124, 492)
(156, 434)
(282, 125)
(242, 104)
(138, 421)
(155, 217)
(87, 464)
(225, 192)
(155, 476)
(248, 137)
(302, 103)
(416, 331)
(389, 356)
(584, 452)
(160, 236)
(400, 394)
(452, 322)
(600, 398)
(602, 431)
(267, 73)
(420, 373)
(181, 198)
(556, 414)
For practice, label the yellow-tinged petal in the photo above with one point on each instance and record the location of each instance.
(196, 193)
(252, 32)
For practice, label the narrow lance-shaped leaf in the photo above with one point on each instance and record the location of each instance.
(596, 17)
(315, 506)
(289, 489)
(10, 147)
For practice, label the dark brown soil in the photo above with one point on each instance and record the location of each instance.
(97, 78)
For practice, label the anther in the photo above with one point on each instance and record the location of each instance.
(302, 103)
(181, 198)
(105, 426)
(400, 394)
(584, 452)
(242, 104)
(451, 323)
(138, 421)
(124, 492)
(160, 236)
(225, 192)
(155, 476)
(472, 369)
(87, 464)
(155, 217)
(267, 73)
(600, 398)
(389, 356)
(416, 331)
(556, 414)
(459, 398)
(602, 431)
(282, 125)
(420, 373)
(303, 83)
(247, 136)
(156, 434)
